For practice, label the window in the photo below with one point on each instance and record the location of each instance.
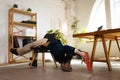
(115, 13)
(97, 16)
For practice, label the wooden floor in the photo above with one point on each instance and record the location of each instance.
(23, 72)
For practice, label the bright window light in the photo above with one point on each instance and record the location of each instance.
(115, 13)
(64, 28)
(97, 17)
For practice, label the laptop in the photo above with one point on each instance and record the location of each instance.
(99, 28)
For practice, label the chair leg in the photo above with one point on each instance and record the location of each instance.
(34, 57)
(43, 61)
(54, 60)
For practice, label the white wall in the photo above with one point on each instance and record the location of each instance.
(49, 14)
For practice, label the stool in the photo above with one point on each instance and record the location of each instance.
(42, 50)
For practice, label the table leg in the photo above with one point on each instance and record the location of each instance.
(93, 51)
(109, 47)
(106, 54)
(117, 43)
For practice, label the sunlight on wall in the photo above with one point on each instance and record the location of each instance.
(64, 28)
(97, 17)
(115, 13)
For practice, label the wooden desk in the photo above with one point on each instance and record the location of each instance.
(110, 34)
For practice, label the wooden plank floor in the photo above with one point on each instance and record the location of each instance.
(23, 72)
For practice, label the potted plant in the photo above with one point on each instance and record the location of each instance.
(29, 9)
(59, 36)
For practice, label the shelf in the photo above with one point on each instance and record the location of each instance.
(24, 36)
(12, 24)
(24, 24)
(15, 10)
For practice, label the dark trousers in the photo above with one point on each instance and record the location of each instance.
(66, 54)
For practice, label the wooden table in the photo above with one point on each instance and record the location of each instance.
(103, 35)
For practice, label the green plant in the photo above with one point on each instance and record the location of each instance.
(59, 36)
(29, 9)
(74, 24)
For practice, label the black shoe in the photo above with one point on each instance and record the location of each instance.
(34, 63)
(66, 68)
(13, 51)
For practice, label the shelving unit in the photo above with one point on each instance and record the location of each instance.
(12, 24)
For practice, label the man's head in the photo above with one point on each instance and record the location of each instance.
(50, 37)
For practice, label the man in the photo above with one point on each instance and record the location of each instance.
(62, 53)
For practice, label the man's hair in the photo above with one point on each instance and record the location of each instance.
(50, 37)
